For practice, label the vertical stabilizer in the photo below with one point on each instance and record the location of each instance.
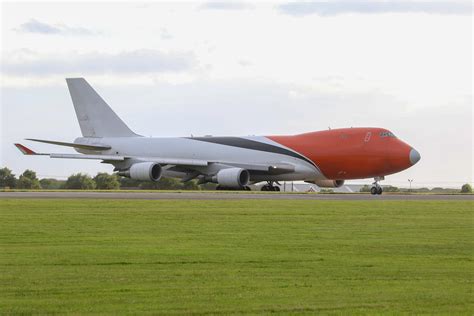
(95, 117)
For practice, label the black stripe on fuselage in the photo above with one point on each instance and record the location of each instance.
(251, 144)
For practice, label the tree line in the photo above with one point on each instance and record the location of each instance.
(466, 188)
(105, 181)
(102, 181)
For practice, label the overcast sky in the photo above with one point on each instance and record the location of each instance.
(242, 68)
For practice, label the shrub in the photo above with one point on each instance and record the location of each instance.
(80, 181)
(391, 188)
(105, 181)
(28, 180)
(326, 191)
(365, 188)
(51, 184)
(162, 184)
(7, 178)
(466, 188)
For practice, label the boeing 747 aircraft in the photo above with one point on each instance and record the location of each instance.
(325, 158)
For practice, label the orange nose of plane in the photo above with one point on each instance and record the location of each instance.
(414, 156)
(399, 156)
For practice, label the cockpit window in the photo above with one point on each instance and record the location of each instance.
(387, 134)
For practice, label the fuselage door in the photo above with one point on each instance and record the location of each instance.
(368, 135)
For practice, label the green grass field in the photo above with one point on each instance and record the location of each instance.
(211, 257)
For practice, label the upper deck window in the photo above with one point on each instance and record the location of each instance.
(387, 134)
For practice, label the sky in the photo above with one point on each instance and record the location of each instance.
(244, 68)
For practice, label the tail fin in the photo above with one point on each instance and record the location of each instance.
(95, 117)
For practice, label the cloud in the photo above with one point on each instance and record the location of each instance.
(226, 5)
(165, 34)
(35, 26)
(245, 62)
(372, 7)
(129, 62)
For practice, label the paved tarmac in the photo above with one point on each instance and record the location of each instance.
(229, 196)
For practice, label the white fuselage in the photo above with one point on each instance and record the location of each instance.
(190, 148)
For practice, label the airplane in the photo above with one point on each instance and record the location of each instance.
(325, 158)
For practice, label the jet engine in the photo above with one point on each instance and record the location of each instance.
(329, 183)
(232, 177)
(144, 171)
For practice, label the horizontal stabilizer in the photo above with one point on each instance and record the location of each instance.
(26, 151)
(75, 145)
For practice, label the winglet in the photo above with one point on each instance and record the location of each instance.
(25, 150)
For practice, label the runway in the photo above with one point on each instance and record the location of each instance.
(229, 196)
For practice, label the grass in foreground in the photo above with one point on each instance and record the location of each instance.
(96, 256)
(228, 191)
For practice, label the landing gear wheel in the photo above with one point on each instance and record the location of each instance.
(270, 187)
(376, 189)
(247, 188)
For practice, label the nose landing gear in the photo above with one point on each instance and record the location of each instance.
(376, 188)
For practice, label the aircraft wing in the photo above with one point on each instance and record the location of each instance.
(273, 169)
(164, 161)
(75, 145)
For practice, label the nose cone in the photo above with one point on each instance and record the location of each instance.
(414, 156)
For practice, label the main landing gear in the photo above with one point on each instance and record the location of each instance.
(376, 189)
(270, 187)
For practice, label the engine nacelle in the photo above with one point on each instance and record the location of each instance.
(144, 171)
(329, 183)
(232, 177)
